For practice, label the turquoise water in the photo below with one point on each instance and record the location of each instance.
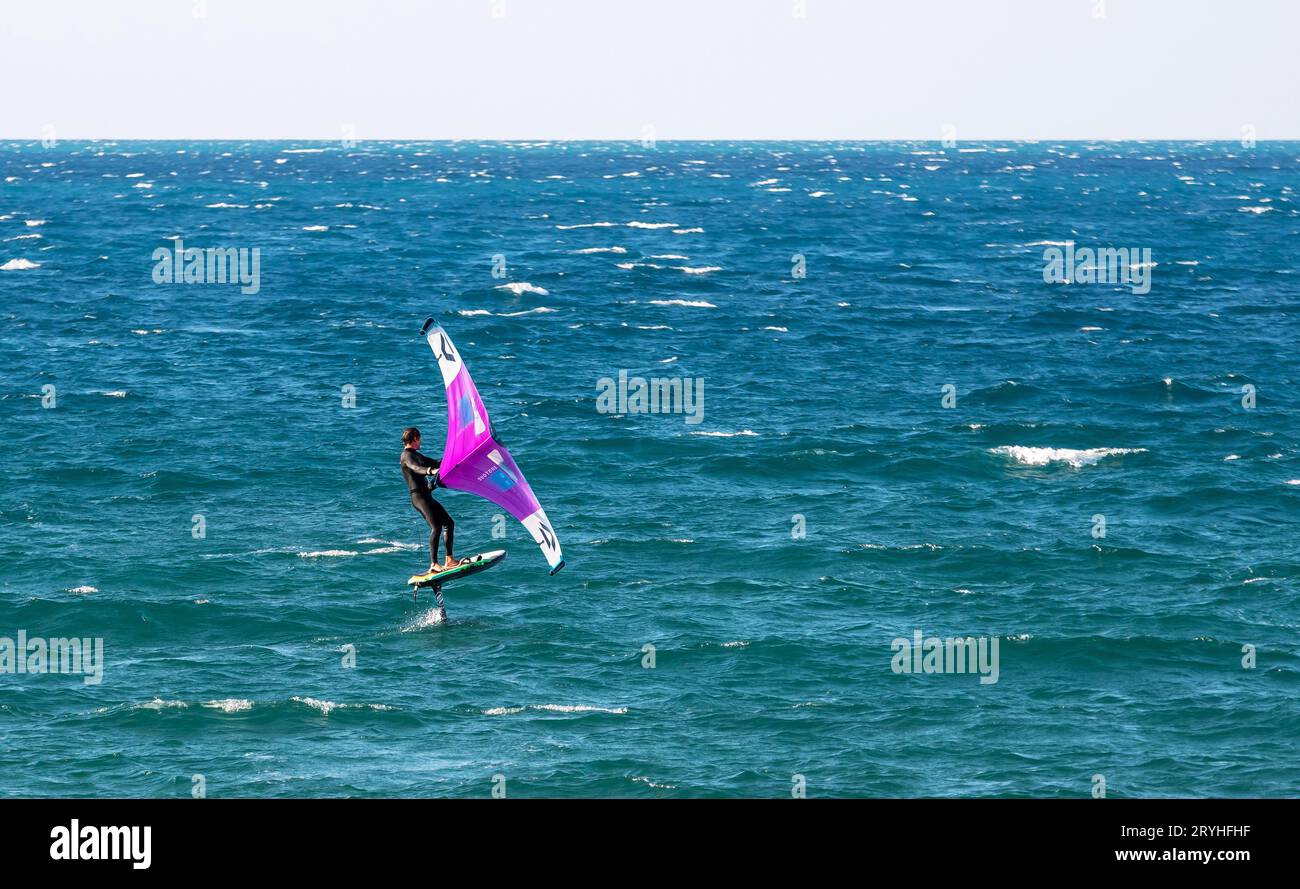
(1119, 656)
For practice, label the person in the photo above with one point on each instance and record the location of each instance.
(420, 473)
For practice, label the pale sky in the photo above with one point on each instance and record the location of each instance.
(690, 69)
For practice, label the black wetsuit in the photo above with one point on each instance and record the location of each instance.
(416, 469)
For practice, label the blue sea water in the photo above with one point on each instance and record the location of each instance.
(828, 502)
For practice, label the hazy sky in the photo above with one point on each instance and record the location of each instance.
(691, 69)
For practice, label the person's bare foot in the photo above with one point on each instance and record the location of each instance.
(438, 569)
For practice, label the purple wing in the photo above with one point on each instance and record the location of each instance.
(475, 462)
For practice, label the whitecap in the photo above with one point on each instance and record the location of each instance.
(540, 310)
(1031, 456)
(160, 704)
(230, 705)
(326, 706)
(390, 544)
(636, 779)
(690, 303)
(519, 288)
(555, 708)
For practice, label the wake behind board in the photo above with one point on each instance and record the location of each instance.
(467, 566)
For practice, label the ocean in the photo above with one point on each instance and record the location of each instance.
(904, 430)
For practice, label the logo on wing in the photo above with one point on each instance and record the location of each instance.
(445, 348)
(449, 360)
(501, 477)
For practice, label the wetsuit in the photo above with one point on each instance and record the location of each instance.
(416, 468)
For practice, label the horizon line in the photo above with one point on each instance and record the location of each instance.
(519, 139)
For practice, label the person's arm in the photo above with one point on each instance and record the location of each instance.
(419, 461)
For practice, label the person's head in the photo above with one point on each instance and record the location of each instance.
(411, 437)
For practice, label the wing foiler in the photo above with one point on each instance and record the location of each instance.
(473, 460)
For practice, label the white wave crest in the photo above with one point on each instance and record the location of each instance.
(521, 287)
(230, 705)
(540, 310)
(1077, 459)
(326, 706)
(160, 704)
(690, 303)
(555, 708)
